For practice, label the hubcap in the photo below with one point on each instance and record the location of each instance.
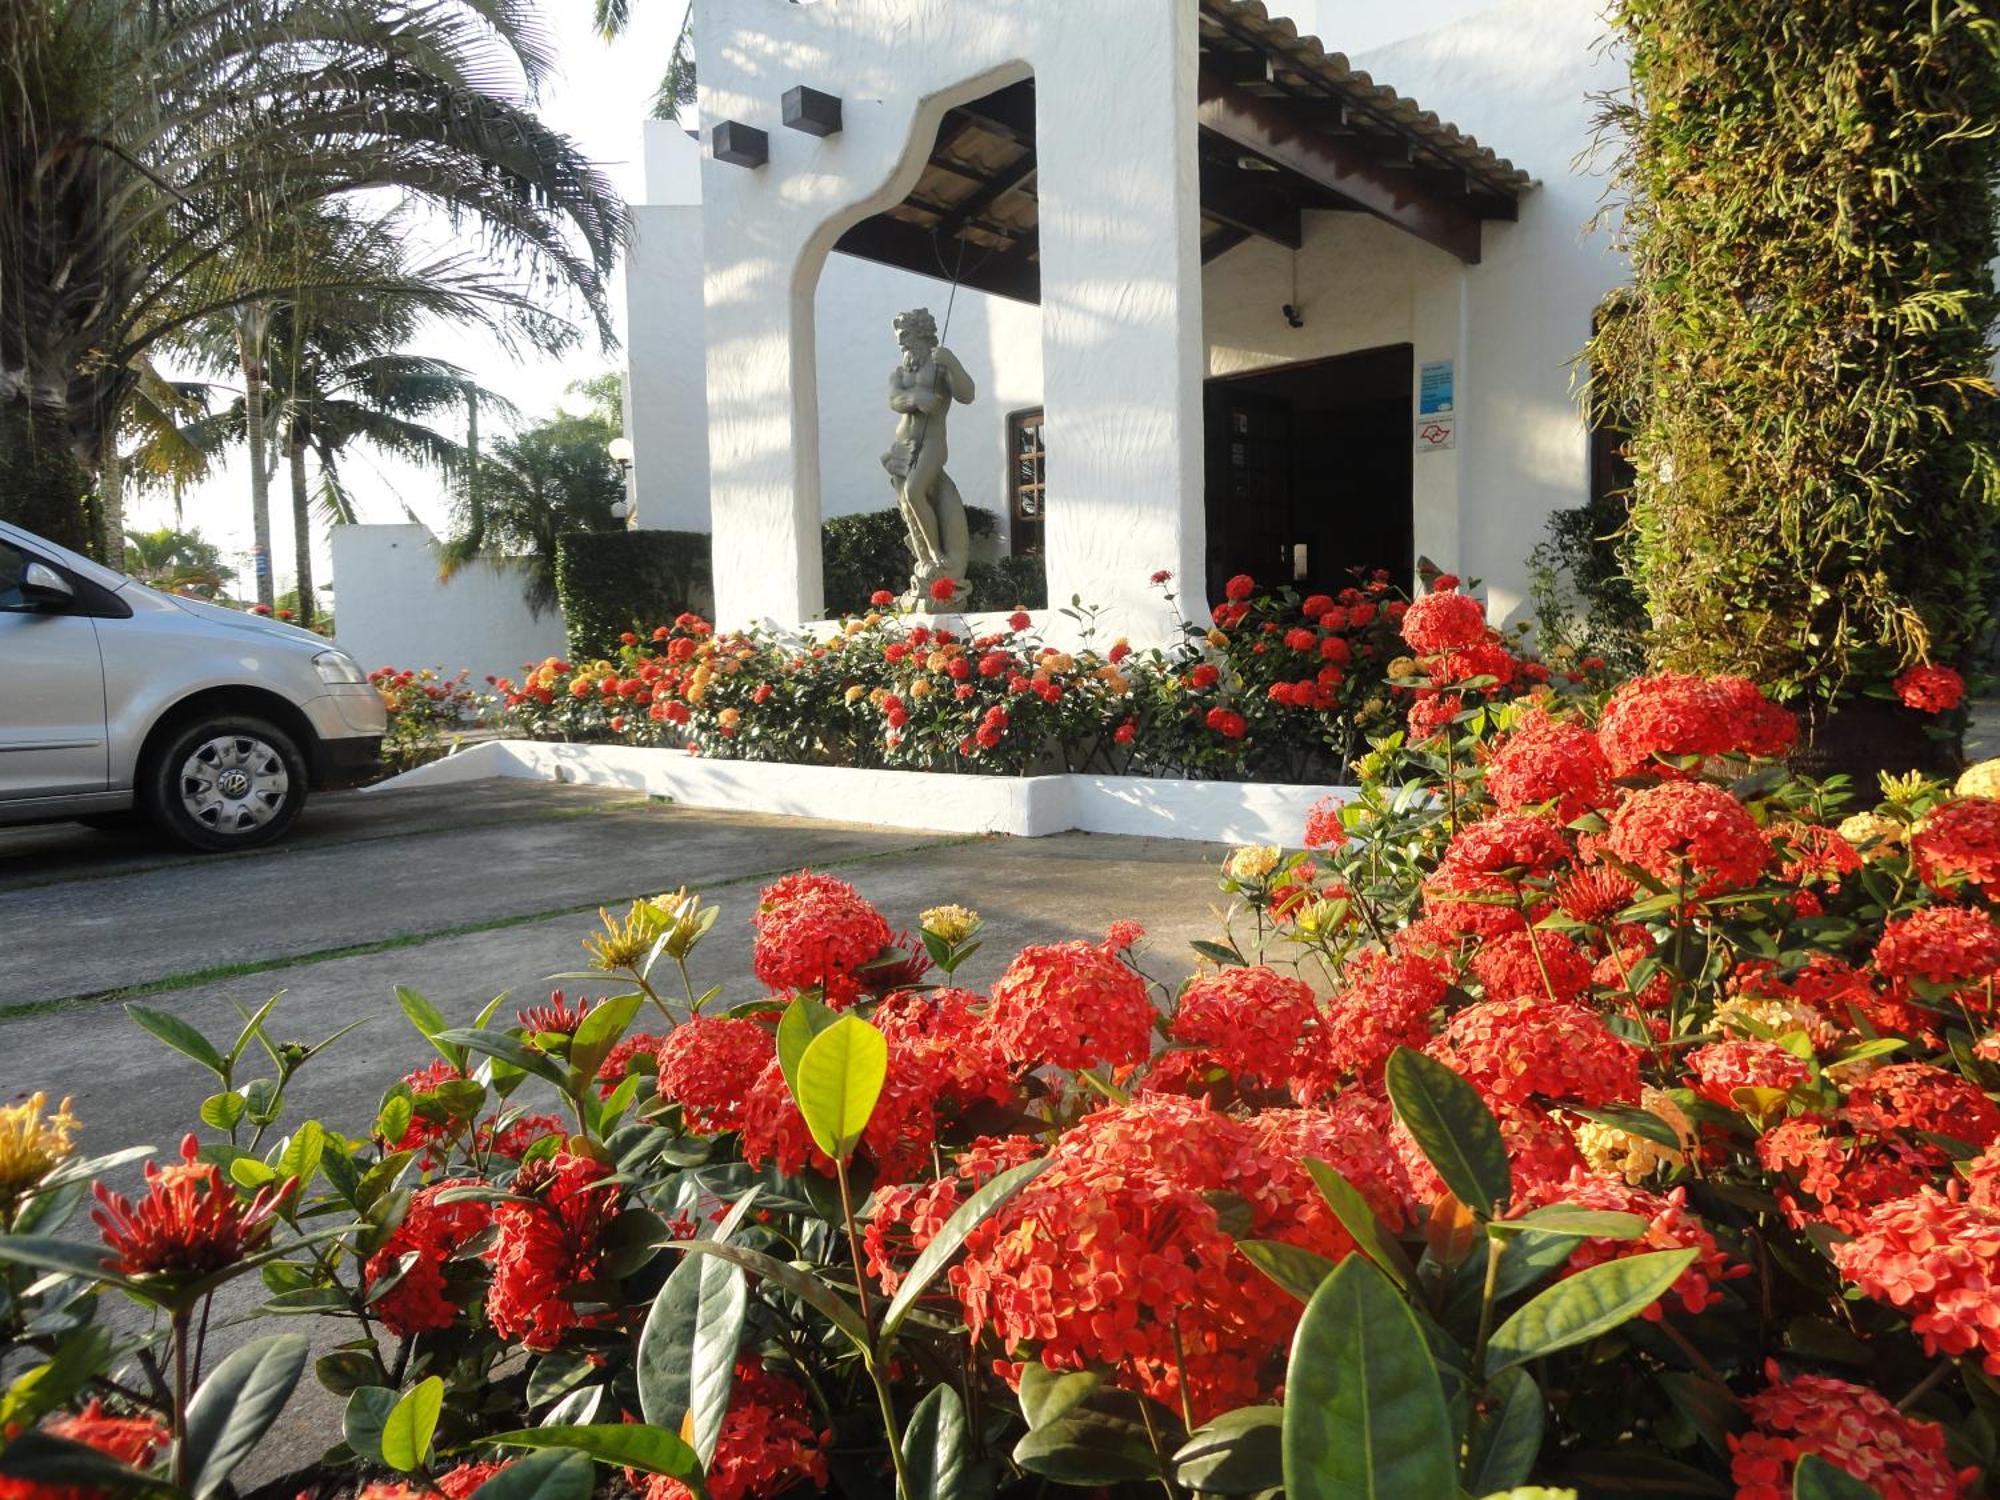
(234, 783)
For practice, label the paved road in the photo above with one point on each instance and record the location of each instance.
(461, 893)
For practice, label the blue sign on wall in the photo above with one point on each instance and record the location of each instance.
(1434, 387)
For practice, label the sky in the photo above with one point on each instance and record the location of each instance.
(600, 96)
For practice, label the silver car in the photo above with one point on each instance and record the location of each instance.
(116, 700)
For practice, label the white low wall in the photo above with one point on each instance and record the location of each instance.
(391, 611)
(1223, 812)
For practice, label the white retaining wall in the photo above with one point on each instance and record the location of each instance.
(391, 610)
(1226, 812)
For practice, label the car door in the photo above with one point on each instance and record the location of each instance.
(52, 729)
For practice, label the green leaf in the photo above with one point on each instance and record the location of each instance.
(807, 1287)
(1585, 1223)
(222, 1111)
(687, 1350)
(37, 1392)
(46, 1254)
(345, 1371)
(1358, 1219)
(302, 1153)
(367, 1412)
(1365, 1416)
(1298, 1270)
(1508, 1439)
(1220, 953)
(1088, 1447)
(1582, 1306)
(804, 1019)
(1454, 1128)
(631, 1445)
(1046, 1395)
(180, 1036)
(394, 1121)
(1241, 1452)
(412, 1422)
(430, 1024)
(946, 1243)
(1816, 1479)
(840, 1077)
(936, 1446)
(510, 1050)
(62, 1465)
(236, 1406)
(552, 1474)
(599, 1032)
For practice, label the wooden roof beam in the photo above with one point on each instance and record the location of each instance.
(1266, 128)
(1237, 198)
(895, 243)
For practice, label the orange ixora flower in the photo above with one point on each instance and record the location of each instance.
(130, 1440)
(188, 1223)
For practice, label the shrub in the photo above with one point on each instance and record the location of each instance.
(610, 582)
(426, 712)
(1584, 1102)
(1277, 689)
(870, 550)
(1804, 359)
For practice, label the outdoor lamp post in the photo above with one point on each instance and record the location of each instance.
(626, 510)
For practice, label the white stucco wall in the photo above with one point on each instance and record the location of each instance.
(778, 376)
(999, 342)
(1117, 186)
(394, 613)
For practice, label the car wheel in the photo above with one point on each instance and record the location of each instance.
(233, 782)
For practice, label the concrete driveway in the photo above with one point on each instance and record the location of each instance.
(461, 893)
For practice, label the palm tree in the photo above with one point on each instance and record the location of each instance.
(176, 560)
(549, 479)
(153, 159)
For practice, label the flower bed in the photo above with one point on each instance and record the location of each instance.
(427, 711)
(1278, 688)
(1589, 1104)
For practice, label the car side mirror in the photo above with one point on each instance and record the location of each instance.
(42, 584)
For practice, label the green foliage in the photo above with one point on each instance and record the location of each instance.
(1804, 360)
(613, 581)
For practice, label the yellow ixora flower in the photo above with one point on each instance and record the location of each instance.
(33, 1142)
(1253, 861)
(1863, 829)
(954, 924)
(1982, 780)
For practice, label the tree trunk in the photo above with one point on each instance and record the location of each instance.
(252, 322)
(111, 500)
(42, 486)
(301, 526)
(475, 504)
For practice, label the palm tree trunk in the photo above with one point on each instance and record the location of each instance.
(252, 322)
(42, 486)
(111, 499)
(475, 503)
(301, 525)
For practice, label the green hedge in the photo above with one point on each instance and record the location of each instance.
(610, 582)
(1805, 361)
(870, 550)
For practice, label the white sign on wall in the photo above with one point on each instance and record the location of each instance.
(1435, 434)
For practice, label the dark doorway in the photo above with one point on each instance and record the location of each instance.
(1309, 472)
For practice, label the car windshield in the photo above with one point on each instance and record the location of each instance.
(13, 566)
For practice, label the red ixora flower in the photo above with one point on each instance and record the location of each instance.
(943, 589)
(558, 1016)
(1720, 1068)
(815, 932)
(1532, 1048)
(1444, 620)
(1550, 760)
(1690, 830)
(549, 1245)
(1677, 716)
(767, 1446)
(1227, 723)
(1930, 689)
(1940, 944)
(1239, 588)
(130, 1440)
(435, 1232)
(881, 598)
(1070, 1005)
(457, 1483)
(188, 1222)
(1938, 1260)
(1856, 1430)
(708, 1066)
(1959, 844)
(1250, 1020)
(1163, 575)
(1324, 828)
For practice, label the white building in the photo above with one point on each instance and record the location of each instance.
(1233, 301)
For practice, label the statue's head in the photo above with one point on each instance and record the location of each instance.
(916, 331)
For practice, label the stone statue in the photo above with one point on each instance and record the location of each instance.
(921, 392)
